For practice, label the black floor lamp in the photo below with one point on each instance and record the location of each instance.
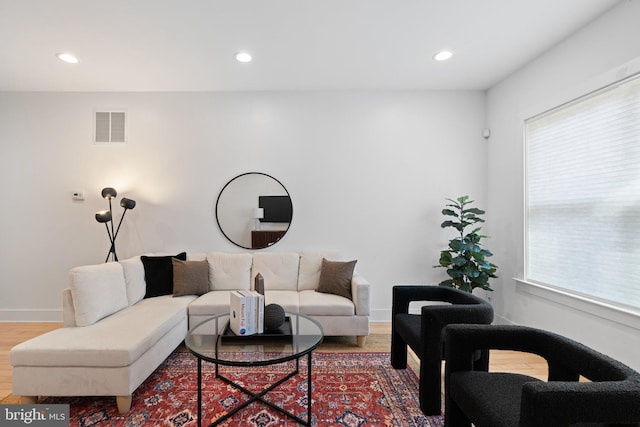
(106, 217)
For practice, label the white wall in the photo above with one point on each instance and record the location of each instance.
(566, 71)
(367, 172)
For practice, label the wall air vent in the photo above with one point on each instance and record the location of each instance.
(110, 127)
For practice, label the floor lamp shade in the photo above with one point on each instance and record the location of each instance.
(127, 203)
(103, 216)
(109, 193)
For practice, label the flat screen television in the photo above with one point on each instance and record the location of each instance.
(276, 208)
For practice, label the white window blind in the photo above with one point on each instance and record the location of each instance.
(583, 195)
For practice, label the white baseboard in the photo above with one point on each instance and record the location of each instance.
(30, 315)
(380, 315)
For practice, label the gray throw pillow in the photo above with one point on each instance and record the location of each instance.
(335, 277)
(190, 277)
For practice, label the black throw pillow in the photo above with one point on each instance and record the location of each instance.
(158, 274)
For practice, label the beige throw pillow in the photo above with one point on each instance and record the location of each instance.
(190, 277)
(335, 277)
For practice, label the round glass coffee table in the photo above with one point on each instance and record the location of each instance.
(212, 341)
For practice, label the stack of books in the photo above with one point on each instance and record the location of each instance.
(246, 313)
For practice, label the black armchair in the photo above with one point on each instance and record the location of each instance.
(424, 333)
(611, 397)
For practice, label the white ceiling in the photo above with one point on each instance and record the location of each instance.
(188, 45)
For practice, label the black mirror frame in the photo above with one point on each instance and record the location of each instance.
(218, 201)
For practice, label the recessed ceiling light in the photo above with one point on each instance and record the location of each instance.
(443, 55)
(243, 57)
(67, 57)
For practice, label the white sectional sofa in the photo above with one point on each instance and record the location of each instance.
(113, 337)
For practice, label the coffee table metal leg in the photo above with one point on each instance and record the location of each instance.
(199, 392)
(309, 388)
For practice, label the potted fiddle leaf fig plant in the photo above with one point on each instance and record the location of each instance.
(465, 259)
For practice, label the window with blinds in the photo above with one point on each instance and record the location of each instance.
(583, 195)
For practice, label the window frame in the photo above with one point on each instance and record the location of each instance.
(628, 315)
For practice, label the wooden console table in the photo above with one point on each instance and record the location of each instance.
(263, 238)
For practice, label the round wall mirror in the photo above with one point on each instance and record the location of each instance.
(254, 210)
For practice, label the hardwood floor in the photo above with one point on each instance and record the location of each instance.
(11, 334)
(379, 341)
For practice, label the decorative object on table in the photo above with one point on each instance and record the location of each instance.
(282, 334)
(239, 312)
(246, 312)
(259, 303)
(106, 217)
(259, 284)
(465, 259)
(258, 214)
(273, 317)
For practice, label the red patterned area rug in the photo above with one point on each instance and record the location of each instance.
(349, 389)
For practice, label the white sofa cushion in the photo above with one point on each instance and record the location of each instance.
(210, 304)
(310, 267)
(288, 300)
(97, 291)
(229, 271)
(217, 302)
(134, 279)
(118, 340)
(314, 303)
(279, 269)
